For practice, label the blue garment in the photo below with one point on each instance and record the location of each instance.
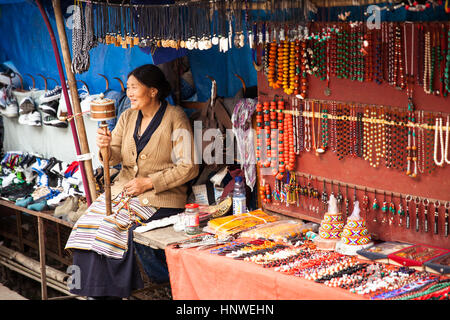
(102, 276)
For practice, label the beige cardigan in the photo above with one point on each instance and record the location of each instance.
(169, 177)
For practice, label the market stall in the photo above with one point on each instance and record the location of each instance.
(329, 180)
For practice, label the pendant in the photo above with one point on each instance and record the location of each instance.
(215, 40)
(320, 150)
(327, 91)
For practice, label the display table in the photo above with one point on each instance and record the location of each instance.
(200, 275)
(159, 238)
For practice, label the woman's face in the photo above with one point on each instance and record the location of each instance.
(139, 94)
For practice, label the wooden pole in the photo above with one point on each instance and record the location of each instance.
(41, 237)
(66, 98)
(74, 94)
(106, 176)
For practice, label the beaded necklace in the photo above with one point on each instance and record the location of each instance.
(259, 125)
(400, 79)
(420, 54)
(289, 154)
(359, 54)
(410, 74)
(391, 59)
(447, 65)
(324, 126)
(284, 61)
(339, 133)
(359, 132)
(447, 134)
(333, 129)
(369, 56)
(266, 115)
(433, 60)
(352, 132)
(279, 174)
(272, 72)
(297, 71)
(378, 73)
(427, 64)
(388, 156)
(307, 121)
(300, 127)
(438, 138)
(421, 142)
(381, 137)
(367, 137)
(411, 148)
(303, 73)
(280, 64)
(430, 166)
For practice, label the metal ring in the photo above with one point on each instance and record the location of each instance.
(447, 205)
(437, 203)
(425, 204)
(408, 198)
(417, 200)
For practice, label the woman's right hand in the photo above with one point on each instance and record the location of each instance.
(103, 138)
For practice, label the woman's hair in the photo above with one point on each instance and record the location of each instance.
(152, 77)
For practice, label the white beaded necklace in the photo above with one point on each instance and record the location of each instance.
(446, 141)
(438, 130)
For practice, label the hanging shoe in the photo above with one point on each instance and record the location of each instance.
(26, 105)
(55, 122)
(51, 95)
(34, 119)
(50, 108)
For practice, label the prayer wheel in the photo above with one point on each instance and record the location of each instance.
(101, 110)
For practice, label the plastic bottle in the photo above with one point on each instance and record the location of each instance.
(239, 198)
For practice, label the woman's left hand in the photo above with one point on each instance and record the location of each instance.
(138, 186)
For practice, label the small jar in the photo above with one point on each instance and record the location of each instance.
(191, 214)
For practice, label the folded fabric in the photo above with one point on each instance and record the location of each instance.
(108, 235)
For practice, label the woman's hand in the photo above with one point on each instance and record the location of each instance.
(103, 139)
(138, 186)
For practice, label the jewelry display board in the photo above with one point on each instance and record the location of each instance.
(410, 208)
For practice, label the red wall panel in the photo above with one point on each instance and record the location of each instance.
(357, 171)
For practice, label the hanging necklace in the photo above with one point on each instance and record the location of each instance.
(427, 64)
(281, 146)
(447, 134)
(367, 134)
(410, 72)
(389, 144)
(307, 121)
(421, 142)
(438, 132)
(324, 127)
(259, 126)
(447, 65)
(333, 126)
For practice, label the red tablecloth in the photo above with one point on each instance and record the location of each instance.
(200, 275)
